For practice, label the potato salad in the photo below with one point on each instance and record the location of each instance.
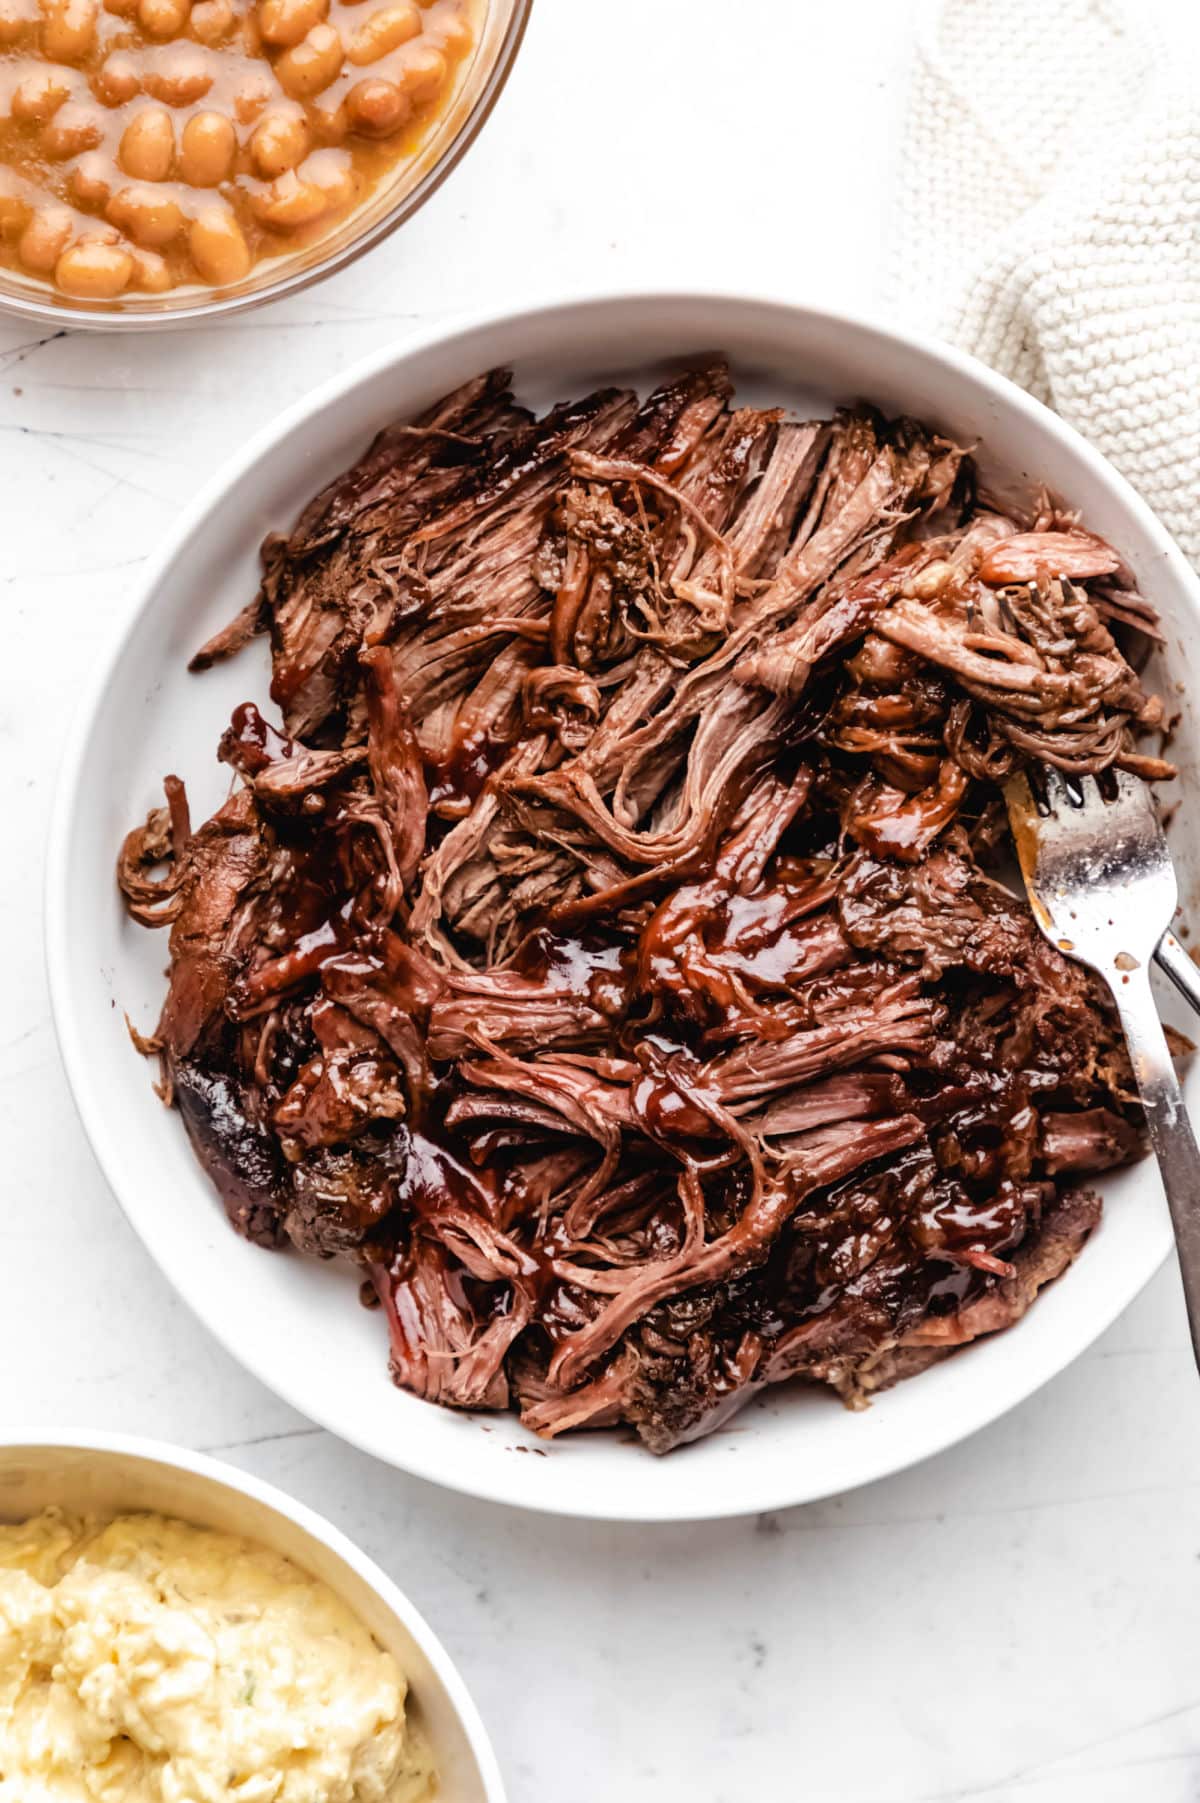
(145, 1660)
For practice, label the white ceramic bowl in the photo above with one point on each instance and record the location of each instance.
(296, 1323)
(109, 1474)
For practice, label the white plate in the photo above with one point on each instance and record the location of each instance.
(110, 1474)
(296, 1323)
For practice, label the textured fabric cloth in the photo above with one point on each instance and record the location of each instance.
(1049, 221)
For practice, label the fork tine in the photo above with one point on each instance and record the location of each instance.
(1131, 788)
(1112, 788)
(1057, 794)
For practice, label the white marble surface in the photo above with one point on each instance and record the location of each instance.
(1014, 1622)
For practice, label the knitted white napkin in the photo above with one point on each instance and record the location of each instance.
(1050, 222)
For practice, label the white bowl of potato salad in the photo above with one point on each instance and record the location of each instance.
(172, 1628)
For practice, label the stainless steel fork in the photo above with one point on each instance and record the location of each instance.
(1170, 956)
(1103, 890)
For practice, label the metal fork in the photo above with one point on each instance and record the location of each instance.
(1170, 956)
(1103, 890)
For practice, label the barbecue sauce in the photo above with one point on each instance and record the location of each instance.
(251, 743)
(457, 780)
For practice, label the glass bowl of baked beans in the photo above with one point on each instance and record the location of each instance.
(166, 159)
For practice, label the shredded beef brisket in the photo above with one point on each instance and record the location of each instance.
(605, 952)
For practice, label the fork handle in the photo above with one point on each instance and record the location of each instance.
(1169, 1127)
(1171, 957)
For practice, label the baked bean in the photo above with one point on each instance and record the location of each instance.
(212, 20)
(289, 202)
(422, 73)
(150, 271)
(454, 35)
(116, 81)
(332, 172)
(329, 118)
(253, 94)
(181, 77)
(69, 30)
(90, 270)
(207, 149)
(148, 145)
(74, 128)
(17, 19)
(91, 179)
(218, 246)
(14, 214)
(39, 96)
(162, 18)
(45, 238)
(312, 64)
(382, 31)
(378, 108)
(278, 143)
(147, 212)
(283, 23)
